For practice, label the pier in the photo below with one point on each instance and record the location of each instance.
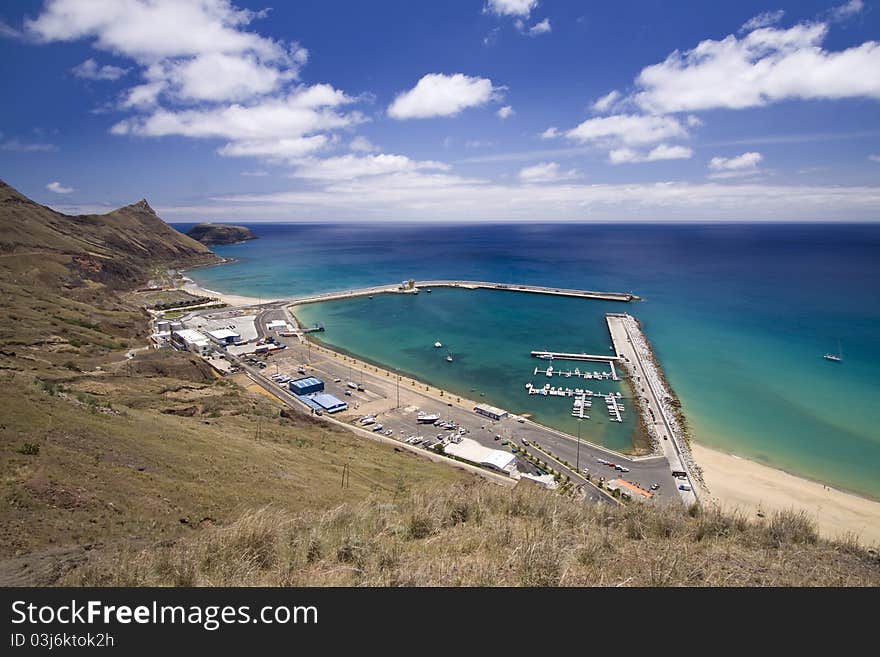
(568, 356)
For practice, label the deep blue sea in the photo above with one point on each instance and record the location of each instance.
(739, 315)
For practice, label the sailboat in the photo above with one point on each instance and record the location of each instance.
(448, 356)
(836, 358)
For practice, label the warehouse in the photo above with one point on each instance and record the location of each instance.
(224, 337)
(329, 403)
(306, 386)
(471, 450)
(490, 411)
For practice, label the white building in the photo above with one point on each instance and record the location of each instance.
(192, 340)
(471, 450)
(224, 337)
(490, 411)
(277, 325)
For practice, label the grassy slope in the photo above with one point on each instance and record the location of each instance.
(478, 534)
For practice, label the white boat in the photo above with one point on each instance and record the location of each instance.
(449, 357)
(550, 371)
(438, 344)
(427, 418)
(545, 356)
(835, 358)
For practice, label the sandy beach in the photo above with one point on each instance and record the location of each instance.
(192, 287)
(735, 482)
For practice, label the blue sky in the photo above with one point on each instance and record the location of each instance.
(460, 110)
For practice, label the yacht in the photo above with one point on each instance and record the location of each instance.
(438, 344)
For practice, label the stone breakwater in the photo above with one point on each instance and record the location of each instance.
(667, 398)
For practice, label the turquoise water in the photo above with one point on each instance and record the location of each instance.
(490, 335)
(739, 315)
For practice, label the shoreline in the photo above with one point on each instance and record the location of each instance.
(189, 285)
(737, 482)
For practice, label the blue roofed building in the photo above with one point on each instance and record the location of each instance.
(306, 386)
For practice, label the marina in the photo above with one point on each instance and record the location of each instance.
(582, 401)
(576, 373)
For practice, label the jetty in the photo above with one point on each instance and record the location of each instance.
(417, 286)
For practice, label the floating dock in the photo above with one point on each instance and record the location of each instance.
(550, 371)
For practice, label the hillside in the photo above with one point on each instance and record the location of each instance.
(220, 233)
(482, 535)
(100, 453)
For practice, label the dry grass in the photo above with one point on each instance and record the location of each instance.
(478, 534)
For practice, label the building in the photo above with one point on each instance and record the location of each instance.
(490, 411)
(470, 450)
(329, 403)
(192, 340)
(277, 325)
(306, 386)
(224, 337)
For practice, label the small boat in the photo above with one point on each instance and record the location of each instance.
(449, 357)
(835, 358)
(438, 344)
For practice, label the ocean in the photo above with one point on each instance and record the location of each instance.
(739, 316)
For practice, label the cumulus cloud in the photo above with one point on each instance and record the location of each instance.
(763, 20)
(627, 129)
(547, 172)
(505, 112)
(437, 94)
(510, 7)
(551, 133)
(203, 74)
(606, 102)
(349, 167)
(58, 188)
(767, 65)
(661, 152)
(735, 167)
(89, 70)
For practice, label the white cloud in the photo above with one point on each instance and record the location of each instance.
(361, 144)
(551, 133)
(627, 129)
(255, 174)
(742, 162)
(874, 158)
(661, 152)
(545, 172)
(847, 10)
(283, 128)
(735, 167)
(478, 143)
(768, 65)
(58, 188)
(437, 94)
(694, 121)
(510, 7)
(505, 112)
(348, 167)
(606, 102)
(89, 70)
(763, 20)
(542, 27)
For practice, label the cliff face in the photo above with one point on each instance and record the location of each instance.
(220, 234)
(119, 248)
